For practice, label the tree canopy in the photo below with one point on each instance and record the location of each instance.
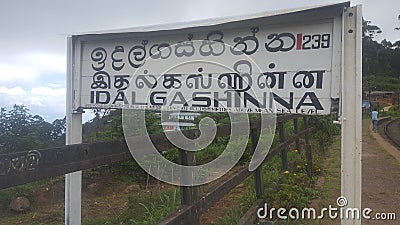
(379, 59)
(21, 131)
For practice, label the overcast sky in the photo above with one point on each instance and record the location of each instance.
(33, 36)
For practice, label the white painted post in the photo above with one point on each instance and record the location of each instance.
(351, 111)
(73, 181)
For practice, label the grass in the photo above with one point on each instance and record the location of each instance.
(282, 189)
(143, 209)
(332, 175)
(243, 202)
(331, 186)
(294, 188)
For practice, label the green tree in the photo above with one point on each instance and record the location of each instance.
(369, 30)
(21, 131)
(379, 59)
(58, 131)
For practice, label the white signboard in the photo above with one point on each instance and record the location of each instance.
(247, 67)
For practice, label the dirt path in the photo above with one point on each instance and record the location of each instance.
(381, 177)
(220, 209)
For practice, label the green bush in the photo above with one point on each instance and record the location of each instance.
(394, 111)
(325, 129)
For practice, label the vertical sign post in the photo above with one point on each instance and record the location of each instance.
(73, 181)
(351, 111)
